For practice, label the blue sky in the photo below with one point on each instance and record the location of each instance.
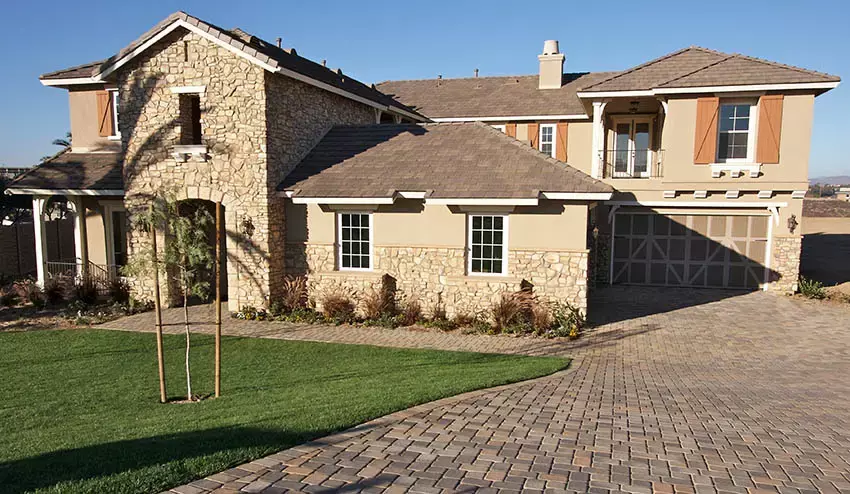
(380, 40)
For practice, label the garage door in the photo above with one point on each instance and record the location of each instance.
(694, 250)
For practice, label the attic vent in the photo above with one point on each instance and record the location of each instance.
(245, 37)
(291, 51)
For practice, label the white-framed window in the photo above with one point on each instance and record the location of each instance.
(113, 95)
(499, 128)
(354, 241)
(547, 139)
(487, 244)
(736, 131)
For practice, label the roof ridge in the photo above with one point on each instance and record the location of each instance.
(612, 72)
(645, 64)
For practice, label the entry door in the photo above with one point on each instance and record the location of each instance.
(631, 147)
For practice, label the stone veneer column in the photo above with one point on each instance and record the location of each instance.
(785, 265)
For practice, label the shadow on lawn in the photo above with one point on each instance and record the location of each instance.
(91, 462)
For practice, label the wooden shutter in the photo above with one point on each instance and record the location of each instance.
(510, 129)
(769, 128)
(104, 114)
(534, 135)
(705, 137)
(561, 141)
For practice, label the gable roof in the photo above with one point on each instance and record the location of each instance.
(268, 56)
(503, 96)
(67, 171)
(461, 160)
(700, 67)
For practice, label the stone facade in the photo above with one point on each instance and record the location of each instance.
(785, 267)
(256, 127)
(436, 275)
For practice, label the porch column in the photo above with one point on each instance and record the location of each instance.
(80, 236)
(598, 139)
(40, 237)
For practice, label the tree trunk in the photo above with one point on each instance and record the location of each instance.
(186, 320)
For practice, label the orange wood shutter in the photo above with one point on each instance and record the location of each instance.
(104, 113)
(534, 135)
(705, 137)
(561, 141)
(510, 129)
(769, 128)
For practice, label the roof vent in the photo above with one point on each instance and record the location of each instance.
(476, 72)
(278, 41)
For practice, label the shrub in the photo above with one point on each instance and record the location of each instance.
(812, 288)
(85, 291)
(32, 293)
(541, 318)
(411, 312)
(374, 305)
(9, 296)
(568, 320)
(511, 311)
(303, 315)
(337, 306)
(119, 291)
(463, 319)
(54, 289)
(438, 313)
(294, 294)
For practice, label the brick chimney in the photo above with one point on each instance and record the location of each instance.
(551, 66)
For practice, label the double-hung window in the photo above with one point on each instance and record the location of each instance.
(735, 138)
(354, 242)
(488, 244)
(547, 139)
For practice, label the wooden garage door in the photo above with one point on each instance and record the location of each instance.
(721, 251)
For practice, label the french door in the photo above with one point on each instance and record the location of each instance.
(632, 153)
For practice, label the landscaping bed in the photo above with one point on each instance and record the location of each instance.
(81, 411)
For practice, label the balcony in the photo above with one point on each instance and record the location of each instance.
(633, 163)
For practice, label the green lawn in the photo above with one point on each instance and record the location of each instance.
(79, 410)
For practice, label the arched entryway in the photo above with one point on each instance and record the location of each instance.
(187, 208)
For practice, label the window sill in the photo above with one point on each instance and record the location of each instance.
(115, 137)
(735, 169)
(182, 152)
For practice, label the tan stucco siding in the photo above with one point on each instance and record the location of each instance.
(82, 104)
(677, 140)
(553, 225)
(580, 146)
(826, 225)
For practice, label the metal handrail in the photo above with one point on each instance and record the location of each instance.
(631, 163)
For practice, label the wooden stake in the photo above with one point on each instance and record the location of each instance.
(158, 307)
(217, 299)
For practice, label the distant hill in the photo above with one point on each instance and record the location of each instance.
(838, 179)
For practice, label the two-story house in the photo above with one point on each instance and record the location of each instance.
(687, 171)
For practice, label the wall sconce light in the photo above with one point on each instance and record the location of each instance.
(792, 223)
(634, 106)
(247, 227)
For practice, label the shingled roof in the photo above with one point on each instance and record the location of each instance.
(516, 96)
(504, 96)
(74, 171)
(466, 160)
(696, 66)
(267, 53)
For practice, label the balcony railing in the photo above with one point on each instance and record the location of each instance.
(633, 163)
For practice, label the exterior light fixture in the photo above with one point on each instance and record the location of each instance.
(247, 227)
(792, 223)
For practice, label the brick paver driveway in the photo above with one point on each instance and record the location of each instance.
(737, 394)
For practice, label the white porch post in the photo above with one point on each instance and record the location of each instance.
(40, 237)
(80, 240)
(598, 139)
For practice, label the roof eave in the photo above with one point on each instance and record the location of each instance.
(657, 91)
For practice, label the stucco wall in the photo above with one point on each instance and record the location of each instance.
(424, 248)
(82, 106)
